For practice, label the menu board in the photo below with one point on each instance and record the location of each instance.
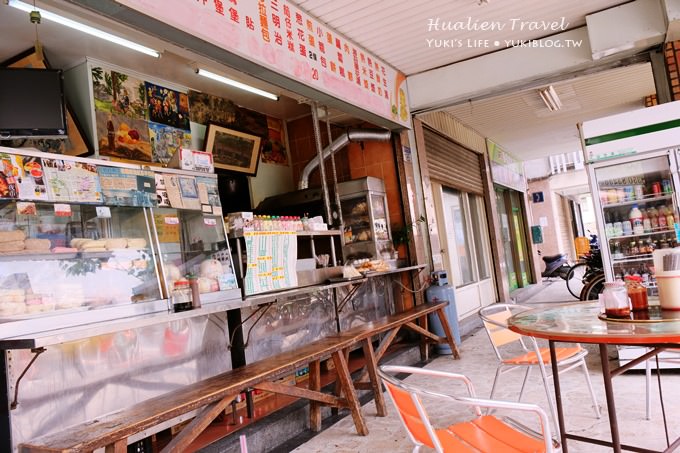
(272, 257)
(280, 36)
(128, 186)
(21, 177)
(75, 182)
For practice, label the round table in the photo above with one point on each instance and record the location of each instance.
(579, 323)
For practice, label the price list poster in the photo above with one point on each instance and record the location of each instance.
(272, 257)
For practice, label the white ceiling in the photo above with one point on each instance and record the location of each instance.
(397, 30)
(522, 124)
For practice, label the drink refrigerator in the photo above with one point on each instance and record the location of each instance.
(636, 209)
(632, 162)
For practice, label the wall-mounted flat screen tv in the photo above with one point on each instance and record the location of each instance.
(31, 103)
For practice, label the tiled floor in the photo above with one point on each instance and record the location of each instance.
(479, 364)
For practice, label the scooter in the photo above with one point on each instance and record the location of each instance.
(555, 266)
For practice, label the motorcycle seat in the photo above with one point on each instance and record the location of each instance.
(551, 258)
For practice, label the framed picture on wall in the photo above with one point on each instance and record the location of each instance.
(233, 150)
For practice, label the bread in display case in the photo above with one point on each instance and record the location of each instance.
(78, 242)
(54, 259)
(192, 243)
(366, 231)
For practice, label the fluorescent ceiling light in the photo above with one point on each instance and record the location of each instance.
(236, 84)
(84, 28)
(550, 98)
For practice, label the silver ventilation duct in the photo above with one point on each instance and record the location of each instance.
(352, 135)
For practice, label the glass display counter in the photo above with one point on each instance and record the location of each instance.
(56, 261)
(366, 233)
(191, 243)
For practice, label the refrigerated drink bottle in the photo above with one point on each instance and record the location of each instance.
(635, 217)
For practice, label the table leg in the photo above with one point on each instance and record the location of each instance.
(609, 395)
(558, 397)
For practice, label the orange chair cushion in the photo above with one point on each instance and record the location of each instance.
(489, 434)
(530, 357)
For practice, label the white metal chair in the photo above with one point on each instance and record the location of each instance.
(495, 318)
(482, 433)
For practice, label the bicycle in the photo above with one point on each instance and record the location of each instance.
(581, 274)
(594, 287)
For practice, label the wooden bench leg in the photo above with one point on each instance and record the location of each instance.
(449, 336)
(350, 394)
(315, 385)
(337, 390)
(119, 446)
(197, 425)
(372, 368)
(382, 349)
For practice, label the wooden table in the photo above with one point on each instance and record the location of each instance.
(579, 323)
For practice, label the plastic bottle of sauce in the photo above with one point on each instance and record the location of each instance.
(646, 223)
(635, 217)
(637, 293)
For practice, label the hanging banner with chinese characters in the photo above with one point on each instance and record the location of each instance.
(278, 35)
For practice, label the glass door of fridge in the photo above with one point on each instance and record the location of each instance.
(638, 214)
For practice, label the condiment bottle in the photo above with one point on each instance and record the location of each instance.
(616, 302)
(195, 293)
(637, 293)
(181, 296)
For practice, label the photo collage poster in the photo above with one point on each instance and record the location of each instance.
(138, 120)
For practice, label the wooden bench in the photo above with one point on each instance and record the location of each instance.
(214, 394)
(391, 325)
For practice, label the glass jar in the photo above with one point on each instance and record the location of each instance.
(637, 293)
(616, 302)
(181, 296)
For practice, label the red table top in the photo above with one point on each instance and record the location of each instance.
(579, 323)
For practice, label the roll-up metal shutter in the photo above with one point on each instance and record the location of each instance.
(453, 165)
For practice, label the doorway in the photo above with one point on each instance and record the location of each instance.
(466, 248)
(510, 206)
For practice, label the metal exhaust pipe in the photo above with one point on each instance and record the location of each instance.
(352, 135)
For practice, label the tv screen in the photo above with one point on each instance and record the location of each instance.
(31, 103)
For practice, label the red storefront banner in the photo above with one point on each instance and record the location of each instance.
(278, 35)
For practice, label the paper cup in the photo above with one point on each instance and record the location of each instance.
(669, 290)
